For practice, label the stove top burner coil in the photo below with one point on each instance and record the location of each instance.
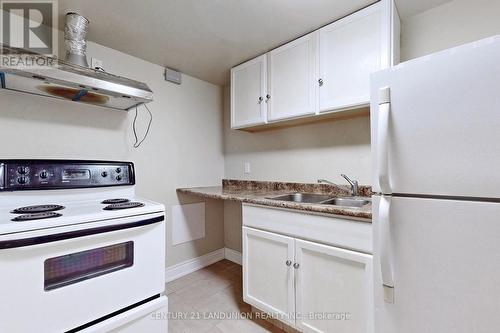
(124, 205)
(36, 216)
(37, 209)
(115, 201)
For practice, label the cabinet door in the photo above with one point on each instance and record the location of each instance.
(248, 91)
(336, 284)
(293, 79)
(268, 282)
(350, 49)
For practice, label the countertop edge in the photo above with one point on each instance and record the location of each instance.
(345, 213)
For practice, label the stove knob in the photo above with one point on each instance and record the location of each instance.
(44, 174)
(118, 170)
(22, 180)
(118, 178)
(22, 170)
(104, 173)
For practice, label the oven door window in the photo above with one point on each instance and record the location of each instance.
(75, 267)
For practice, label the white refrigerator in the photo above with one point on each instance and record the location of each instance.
(435, 127)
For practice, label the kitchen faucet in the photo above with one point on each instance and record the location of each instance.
(353, 183)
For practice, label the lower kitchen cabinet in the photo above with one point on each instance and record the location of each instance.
(268, 274)
(335, 284)
(309, 286)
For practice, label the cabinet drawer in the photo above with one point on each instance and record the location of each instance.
(348, 234)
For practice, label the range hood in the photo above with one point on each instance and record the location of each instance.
(65, 80)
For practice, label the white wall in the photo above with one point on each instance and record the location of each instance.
(451, 24)
(232, 225)
(185, 146)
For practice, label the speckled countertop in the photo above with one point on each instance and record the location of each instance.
(256, 192)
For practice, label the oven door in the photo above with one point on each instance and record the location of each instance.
(58, 279)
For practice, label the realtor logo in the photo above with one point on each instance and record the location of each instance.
(30, 25)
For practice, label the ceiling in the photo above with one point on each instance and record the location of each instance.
(205, 38)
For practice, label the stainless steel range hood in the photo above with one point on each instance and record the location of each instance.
(61, 79)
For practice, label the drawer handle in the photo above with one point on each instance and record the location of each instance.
(296, 265)
(320, 82)
(288, 263)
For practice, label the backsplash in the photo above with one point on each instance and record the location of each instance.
(364, 190)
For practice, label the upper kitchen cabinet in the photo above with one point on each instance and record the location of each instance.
(319, 75)
(353, 48)
(292, 79)
(248, 92)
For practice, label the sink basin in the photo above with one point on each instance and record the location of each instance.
(347, 202)
(302, 197)
(323, 199)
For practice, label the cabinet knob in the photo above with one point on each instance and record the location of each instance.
(288, 263)
(320, 81)
(260, 99)
(296, 265)
(268, 97)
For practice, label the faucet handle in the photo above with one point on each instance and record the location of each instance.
(353, 183)
(348, 179)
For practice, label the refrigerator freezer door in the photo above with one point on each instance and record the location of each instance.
(445, 264)
(443, 123)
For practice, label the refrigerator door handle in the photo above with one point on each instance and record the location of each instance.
(382, 140)
(385, 248)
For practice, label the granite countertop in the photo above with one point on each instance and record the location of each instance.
(256, 192)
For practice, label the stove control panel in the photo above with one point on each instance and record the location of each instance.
(63, 174)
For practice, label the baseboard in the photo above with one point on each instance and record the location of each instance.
(192, 265)
(232, 255)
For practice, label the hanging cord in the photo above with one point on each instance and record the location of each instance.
(137, 142)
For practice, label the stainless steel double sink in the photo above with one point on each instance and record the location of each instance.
(322, 199)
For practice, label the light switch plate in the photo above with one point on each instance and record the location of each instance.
(247, 168)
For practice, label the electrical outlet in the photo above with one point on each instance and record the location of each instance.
(247, 168)
(95, 63)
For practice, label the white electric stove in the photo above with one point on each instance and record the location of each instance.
(79, 251)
